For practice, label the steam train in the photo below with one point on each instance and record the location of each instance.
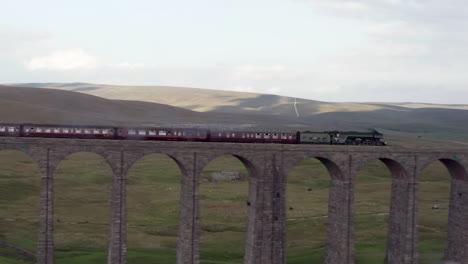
(373, 138)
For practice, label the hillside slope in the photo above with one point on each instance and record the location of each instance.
(75, 103)
(204, 100)
(30, 105)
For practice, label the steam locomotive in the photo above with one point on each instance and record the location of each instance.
(373, 138)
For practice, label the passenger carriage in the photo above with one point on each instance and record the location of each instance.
(10, 130)
(253, 137)
(68, 131)
(155, 133)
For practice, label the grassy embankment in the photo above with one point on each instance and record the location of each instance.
(82, 191)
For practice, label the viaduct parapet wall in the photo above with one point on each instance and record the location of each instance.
(268, 166)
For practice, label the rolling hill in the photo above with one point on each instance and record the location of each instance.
(178, 106)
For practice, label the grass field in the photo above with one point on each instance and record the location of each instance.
(82, 210)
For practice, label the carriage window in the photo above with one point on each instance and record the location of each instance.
(180, 133)
(152, 132)
(162, 132)
(243, 135)
(78, 130)
(2, 129)
(141, 132)
(11, 129)
(258, 135)
(131, 132)
(267, 135)
(183, 133)
(233, 134)
(56, 130)
(228, 135)
(275, 135)
(219, 134)
(105, 131)
(87, 131)
(290, 137)
(38, 129)
(47, 130)
(96, 131)
(66, 130)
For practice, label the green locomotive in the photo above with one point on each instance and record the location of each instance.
(373, 138)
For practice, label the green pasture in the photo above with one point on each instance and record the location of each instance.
(82, 188)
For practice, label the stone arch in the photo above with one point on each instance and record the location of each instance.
(79, 202)
(29, 153)
(130, 157)
(20, 195)
(247, 159)
(308, 206)
(377, 210)
(331, 162)
(235, 194)
(57, 156)
(457, 233)
(38, 154)
(398, 166)
(338, 247)
(143, 230)
(457, 171)
(402, 236)
(457, 167)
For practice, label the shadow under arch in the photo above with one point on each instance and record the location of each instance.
(396, 169)
(456, 170)
(456, 200)
(228, 186)
(332, 167)
(20, 190)
(153, 196)
(82, 189)
(307, 208)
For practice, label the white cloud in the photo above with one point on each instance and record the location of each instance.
(19, 43)
(343, 6)
(274, 90)
(21, 35)
(257, 72)
(400, 30)
(63, 60)
(243, 88)
(131, 66)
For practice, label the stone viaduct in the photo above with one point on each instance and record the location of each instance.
(268, 166)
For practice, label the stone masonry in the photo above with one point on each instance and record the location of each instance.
(268, 166)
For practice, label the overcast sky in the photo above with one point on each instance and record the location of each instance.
(330, 50)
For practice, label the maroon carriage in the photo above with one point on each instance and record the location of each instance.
(10, 130)
(67, 131)
(253, 137)
(178, 134)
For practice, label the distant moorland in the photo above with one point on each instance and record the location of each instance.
(174, 106)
